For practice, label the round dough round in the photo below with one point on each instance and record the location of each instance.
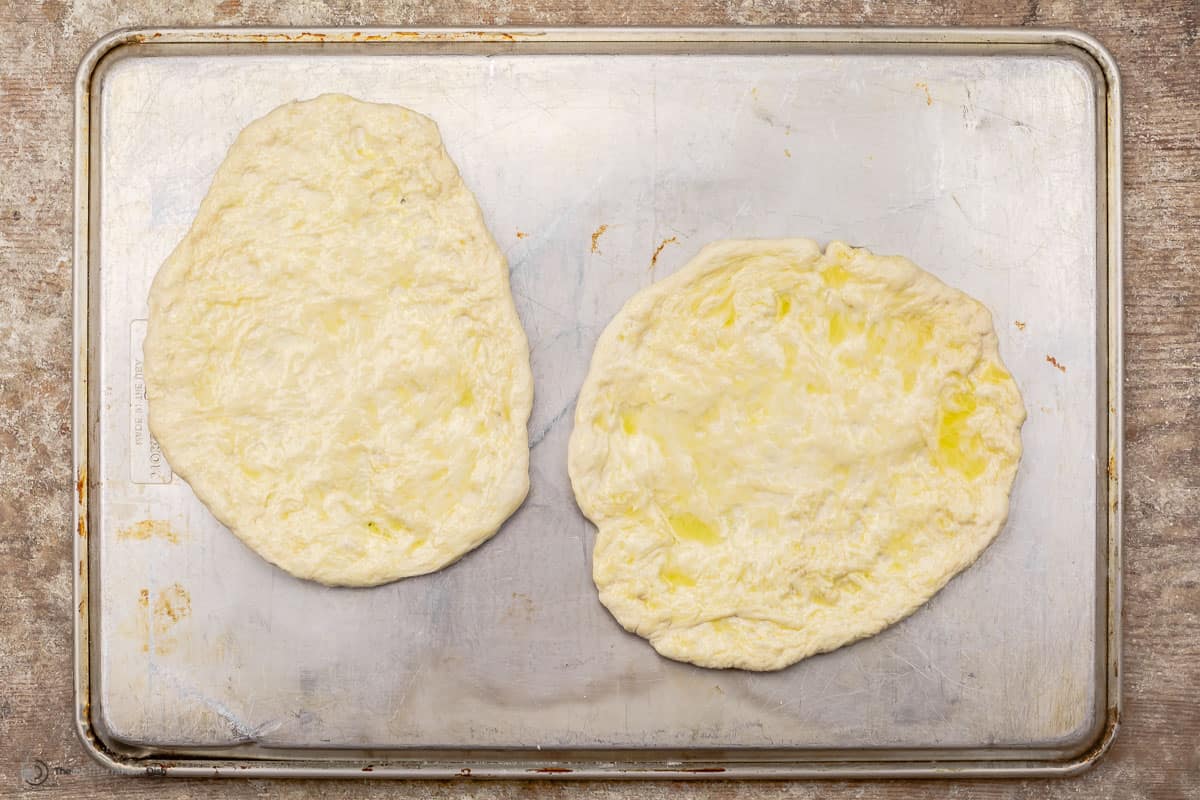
(785, 451)
(333, 360)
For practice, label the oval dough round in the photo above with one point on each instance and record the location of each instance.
(333, 360)
(786, 450)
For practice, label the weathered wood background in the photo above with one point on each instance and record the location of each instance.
(1155, 42)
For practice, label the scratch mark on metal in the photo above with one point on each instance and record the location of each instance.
(954, 197)
(240, 728)
(541, 435)
(541, 305)
(915, 668)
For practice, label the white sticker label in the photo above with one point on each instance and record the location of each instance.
(146, 462)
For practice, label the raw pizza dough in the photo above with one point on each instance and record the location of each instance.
(333, 359)
(785, 451)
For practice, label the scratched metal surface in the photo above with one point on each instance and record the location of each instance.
(980, 166)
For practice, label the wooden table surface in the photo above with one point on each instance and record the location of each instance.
(1157, 753)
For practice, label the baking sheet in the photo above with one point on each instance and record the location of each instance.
(984, 156)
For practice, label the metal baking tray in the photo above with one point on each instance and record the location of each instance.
(604, 159)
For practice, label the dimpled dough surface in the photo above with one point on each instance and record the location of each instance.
(333, 360)
(786, 450)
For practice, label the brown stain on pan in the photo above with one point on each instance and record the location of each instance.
(658, 251)
(82, 528)
(1055, 363)
(481, 36)
(278, 37)
(157, 620)
(150, 529)
(522, 606)
(1104, 741)
(550, 770)
(142, 623)
(81, 486)
(172, 605)
(596, 234)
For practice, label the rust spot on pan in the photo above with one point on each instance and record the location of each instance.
(465, 772)
(359, 36)
(1054, 362)
(1020, 325)
(521, 234)
(368, 769)
(281, 37)
(304, 36)
(596, 238)
(81, 486)
(1104, 741)
(462, 36)
(550, 770)
(1112, 467)
(82, 528)
(482, 36)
